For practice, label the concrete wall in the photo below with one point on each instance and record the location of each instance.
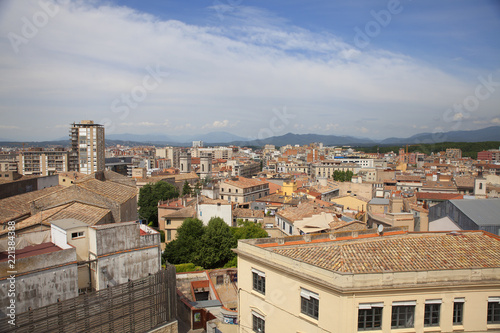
(39, 286)
(206, 212)
(18, 187)
(120, 267)
(47, 181)
(118, 237)
(128, 210)
(59, 237)
(364, 190)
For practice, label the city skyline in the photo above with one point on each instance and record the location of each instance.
(255, 69)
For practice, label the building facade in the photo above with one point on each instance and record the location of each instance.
(43, 162)
(395, 282)
(87, 153)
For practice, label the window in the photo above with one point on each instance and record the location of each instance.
(458, 311)
(220, 279)
(77, 234)
(370, 316)
(309, 303)
(432, 312)
(494, 310)
(169, 222)
(259, 281)
(403, 314)
(290, 229)
(169, 234)
(258, 323)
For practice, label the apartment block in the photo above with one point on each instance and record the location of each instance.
(87, 153)
(243, 190)
(43, 162)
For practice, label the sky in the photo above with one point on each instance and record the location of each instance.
(366, 68)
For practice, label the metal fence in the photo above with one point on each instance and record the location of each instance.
(136, 306)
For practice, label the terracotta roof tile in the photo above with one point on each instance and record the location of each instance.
(401, 253)
(243, 182)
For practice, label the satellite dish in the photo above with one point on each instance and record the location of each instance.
(380, 228)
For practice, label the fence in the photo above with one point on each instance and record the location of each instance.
(136, 306)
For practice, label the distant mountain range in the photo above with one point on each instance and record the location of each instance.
(223, 138)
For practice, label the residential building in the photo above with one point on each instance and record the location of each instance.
(73, 257)
(87, 153)
(103, 197)
(42, 162)
(243, 190)
(363, 280)
(492, 155)
(208, 299)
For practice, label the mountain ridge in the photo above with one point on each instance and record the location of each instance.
(491, 133)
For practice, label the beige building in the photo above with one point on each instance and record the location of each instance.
(362, 281)
(87, 147)
(43, 162)
(243, 190)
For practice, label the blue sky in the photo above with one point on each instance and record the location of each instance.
(253, 68)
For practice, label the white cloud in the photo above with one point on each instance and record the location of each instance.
(7, 127)
(91, 55)
(220, 124)
(495, 121)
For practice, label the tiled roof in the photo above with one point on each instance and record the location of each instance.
(279, 198)
(116, 192)
(243, 182)
(186, 176)
(242, 212)
(79, 211)
(400, 253)
(303, 210)
(438, 196)
(464, 181)
(18, 205)
(439, 185)
(184, 212)
(408, 178)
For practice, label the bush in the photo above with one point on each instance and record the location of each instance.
(189, 267)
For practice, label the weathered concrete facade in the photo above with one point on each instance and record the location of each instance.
(40, 279)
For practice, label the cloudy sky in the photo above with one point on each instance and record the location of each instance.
(257, 68)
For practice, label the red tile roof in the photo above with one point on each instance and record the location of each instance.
(438, 196)
(400, 253)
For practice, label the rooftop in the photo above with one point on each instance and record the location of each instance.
(243, 182)
(19, 205)
(396, 252)
(482, 211)
(303, 210)
(30, 251)
(67, 224)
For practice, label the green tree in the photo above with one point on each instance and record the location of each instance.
(197, 189)
(247, 230)
(149, 195)
(217, 242)
(186, 189)
(348, 176)
(187, 244)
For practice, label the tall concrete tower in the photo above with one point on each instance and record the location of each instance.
(185, 162)
(87, 147)
(205, 165)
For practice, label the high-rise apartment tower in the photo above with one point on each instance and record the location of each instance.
(87, 147)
